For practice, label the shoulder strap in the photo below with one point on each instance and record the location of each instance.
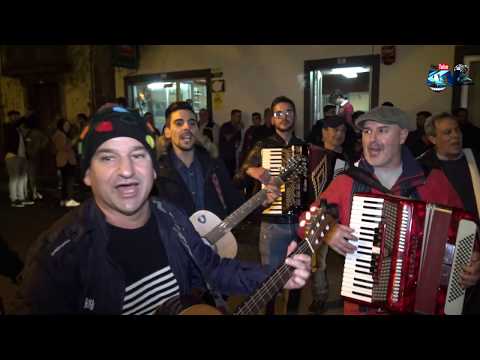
(474, 174)
(219, 302)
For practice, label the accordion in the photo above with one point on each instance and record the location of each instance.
(294, 191)
(409, 256)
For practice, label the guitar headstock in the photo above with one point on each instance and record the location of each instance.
(295, 166)
(317, 223)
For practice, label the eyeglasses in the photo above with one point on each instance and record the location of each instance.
(285, 113)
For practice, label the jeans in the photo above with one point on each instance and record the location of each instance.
(274, 241)
(17, 177)
(68, 179)
(319, 277)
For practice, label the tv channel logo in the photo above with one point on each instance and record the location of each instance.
(440, 77)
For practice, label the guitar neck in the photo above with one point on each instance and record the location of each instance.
(272, 285)
(239, 215)
(254, 202)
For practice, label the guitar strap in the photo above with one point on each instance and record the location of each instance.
(216, 183)
(217, 297)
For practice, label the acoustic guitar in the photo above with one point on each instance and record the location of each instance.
(317, 224)
(217, 233)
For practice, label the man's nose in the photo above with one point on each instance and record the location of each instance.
(126, 168)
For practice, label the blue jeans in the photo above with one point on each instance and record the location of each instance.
(274, 241)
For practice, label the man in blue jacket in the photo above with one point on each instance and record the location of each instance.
(123, 252)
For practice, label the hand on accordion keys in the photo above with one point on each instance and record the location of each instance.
(273, 192)
(338, 237)
(471, 273)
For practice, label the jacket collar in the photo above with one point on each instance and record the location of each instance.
(412, 173)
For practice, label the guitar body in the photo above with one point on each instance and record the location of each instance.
(204, 221)
(200, 309)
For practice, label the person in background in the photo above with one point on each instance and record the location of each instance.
(208, 127)
(36, 142)
(267, 128)
(315, 136)
(66, 161)
(16, 160)
(417, 140)
(230, 140)
(471, 133)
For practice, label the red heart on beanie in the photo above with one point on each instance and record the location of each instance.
(104, 126)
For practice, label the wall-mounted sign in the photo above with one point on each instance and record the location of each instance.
(388, 54)
(218, 86)
(125, 56)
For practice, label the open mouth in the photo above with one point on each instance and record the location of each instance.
(127, 189)
(186, 137)
(374, 151)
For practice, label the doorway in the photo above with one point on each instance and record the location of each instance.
(356, 77)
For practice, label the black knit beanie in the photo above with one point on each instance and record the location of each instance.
(112, 123)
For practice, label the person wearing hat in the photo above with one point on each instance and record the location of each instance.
(123, 251)
(332, 159)
(389, 162)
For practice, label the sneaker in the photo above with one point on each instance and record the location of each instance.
(17, 203)
(37, 196)
(71, 203)
(28, 202)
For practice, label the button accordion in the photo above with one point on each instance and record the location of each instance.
(409, 255)
(294, 191)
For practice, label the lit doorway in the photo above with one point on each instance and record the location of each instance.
(357, 78)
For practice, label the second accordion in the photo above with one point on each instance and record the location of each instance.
(409, 256)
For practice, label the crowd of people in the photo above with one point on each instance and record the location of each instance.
(146, 183)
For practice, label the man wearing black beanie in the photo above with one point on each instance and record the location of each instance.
(124, 252)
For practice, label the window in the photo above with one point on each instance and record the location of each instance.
(154, 93)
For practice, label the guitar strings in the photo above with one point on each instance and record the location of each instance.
(252, 303)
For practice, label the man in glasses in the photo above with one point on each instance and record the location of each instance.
(276, 231)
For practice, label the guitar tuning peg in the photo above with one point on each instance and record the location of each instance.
(302, 223)
(313, 208)
(308, 215)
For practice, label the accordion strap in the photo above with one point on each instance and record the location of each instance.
(474, 174)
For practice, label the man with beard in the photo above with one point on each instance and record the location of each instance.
(384, 131)
(188, 176)
(124, 252)
(276, 231)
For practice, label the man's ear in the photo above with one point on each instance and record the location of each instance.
(403, 135)
(86, 178)
(168, 133)
(154, 174)
(432, 139)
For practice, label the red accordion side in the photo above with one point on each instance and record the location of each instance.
(416, 254)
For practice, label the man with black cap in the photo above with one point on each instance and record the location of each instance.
(384, 131)
(331, 159)
(123, 252)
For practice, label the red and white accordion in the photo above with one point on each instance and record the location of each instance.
(409, 256)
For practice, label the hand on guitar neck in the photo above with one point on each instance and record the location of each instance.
(302, 263)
